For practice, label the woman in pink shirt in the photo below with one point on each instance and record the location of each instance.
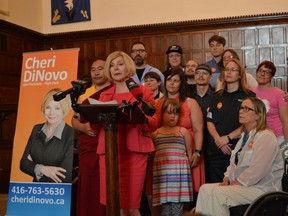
(277, 108)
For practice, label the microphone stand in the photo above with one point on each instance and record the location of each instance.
(74, 99)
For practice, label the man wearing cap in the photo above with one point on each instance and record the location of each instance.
(174, 58)
(203, 95)
(203, 92)
(139, 56)
(216, 46)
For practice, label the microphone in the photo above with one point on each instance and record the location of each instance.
(79, 88)
(136, 91)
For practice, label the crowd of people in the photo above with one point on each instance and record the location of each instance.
(215, 126)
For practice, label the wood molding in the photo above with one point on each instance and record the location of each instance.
(149, 29)
(19, 31)
(172, 27)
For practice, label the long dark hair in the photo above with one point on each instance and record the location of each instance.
(182, 88)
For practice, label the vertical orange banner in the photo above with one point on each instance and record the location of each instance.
(41, 72)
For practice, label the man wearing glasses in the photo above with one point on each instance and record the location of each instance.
(139, 56)
(189, 72)
(203, 95)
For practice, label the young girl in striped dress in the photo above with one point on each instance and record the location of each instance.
(172, 182)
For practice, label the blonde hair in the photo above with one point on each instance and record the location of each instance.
(260, 110)
(242, 77)
(65, 103)
(129, 63)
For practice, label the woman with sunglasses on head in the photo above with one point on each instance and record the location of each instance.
(256, 165)
(277, 108)
(225, 58)
(223, 119)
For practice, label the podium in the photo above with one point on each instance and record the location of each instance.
(109, 115)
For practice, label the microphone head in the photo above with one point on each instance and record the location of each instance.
(134, 88)
(85, 83)
(59, 96)
(80, 86)
(88, 82)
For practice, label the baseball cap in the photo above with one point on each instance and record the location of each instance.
(204, 67)
(174, 48)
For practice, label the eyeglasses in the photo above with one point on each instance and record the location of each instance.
(246, 109)
(231, 70)
(134, 51)
(203, 73)
(265, 72)
(225, 58)
(174, 55)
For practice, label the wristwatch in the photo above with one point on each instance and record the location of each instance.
(197, 152)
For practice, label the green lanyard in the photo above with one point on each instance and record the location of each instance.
(245, 138)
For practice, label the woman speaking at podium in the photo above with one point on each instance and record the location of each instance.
(134, 141)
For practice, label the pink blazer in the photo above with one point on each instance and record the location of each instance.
(138, 137)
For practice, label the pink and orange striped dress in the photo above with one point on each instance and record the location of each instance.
(172, 181)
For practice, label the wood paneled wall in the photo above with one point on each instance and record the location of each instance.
(255, 38)
(14, 40)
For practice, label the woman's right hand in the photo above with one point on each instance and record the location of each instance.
(221, 141)
(226, 149)
(53, 172)
(225, 181)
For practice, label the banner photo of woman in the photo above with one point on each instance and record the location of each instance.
(42, 160)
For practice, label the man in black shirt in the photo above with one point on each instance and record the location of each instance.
(189, 72)
(203, 95)
(139, 56)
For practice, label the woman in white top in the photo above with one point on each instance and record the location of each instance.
(256, 165)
